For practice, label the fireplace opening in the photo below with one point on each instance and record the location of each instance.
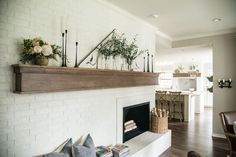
(135, 120)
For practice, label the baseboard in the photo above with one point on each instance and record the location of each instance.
(214, 135)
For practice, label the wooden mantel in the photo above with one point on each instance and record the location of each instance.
(187, 74)
(40, 79)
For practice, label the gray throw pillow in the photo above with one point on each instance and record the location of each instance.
(85, 150)
(66, 150)
(53, 154)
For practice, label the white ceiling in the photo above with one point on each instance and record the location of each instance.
(181, 19)
(194, 54)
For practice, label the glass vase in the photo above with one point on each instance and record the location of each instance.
(129, 66)
(114, 63)
(107, 61)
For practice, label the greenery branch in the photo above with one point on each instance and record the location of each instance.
(118, 45)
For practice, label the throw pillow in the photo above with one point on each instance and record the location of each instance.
(53, 154)
(67, 149)
(64, 150)
(234, 127)
(85, 150)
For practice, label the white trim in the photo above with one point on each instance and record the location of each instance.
(128, 101)
(126, 13)
(163, 35)
(218, 135)
(205, 35)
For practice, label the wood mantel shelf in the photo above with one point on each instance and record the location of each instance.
(41, 79)
(187, 74)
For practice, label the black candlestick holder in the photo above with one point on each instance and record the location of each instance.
(225, 83)
(144, 64)
(76, 51)
(63, 54)
(152, 65)
(65, 58)
(148, 69)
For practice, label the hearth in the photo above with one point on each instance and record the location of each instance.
(135, 120)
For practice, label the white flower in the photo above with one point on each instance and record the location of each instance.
(37, 49)
(35, 43)
(46, 50)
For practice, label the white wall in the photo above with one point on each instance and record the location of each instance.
(37, 123)
(224, 47)
(170, 59)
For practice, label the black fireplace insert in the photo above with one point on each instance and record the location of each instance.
(135, 120)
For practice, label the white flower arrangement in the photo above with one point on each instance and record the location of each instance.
(37, 48)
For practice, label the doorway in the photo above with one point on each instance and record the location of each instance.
(196, 59)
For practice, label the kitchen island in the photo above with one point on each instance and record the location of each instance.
(190, 101)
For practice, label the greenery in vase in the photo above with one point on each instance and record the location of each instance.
(118, 45)
(210, 79)
(131, 52)
(111, 47)
(193, 67)
(37, 48)
(180, 68)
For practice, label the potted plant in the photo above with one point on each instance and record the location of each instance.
(38, 52)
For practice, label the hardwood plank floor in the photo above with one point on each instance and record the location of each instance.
(197, 136)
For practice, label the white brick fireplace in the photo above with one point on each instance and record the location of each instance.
(38, 123)
(31, 124)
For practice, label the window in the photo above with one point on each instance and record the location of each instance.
(165, 80)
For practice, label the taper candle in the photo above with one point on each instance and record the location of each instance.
(62, 24)
(76, 35)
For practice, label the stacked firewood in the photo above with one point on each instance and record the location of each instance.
(130, 125)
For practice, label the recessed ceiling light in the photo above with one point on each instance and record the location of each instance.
(216, 20)
(155, 16)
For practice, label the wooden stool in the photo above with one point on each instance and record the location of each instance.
(161, 99)
(175, 101)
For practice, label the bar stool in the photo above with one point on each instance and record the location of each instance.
(175, 101)
(161, 100)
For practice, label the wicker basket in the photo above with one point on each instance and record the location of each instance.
(159, 124)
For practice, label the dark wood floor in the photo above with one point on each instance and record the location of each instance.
(196, 135)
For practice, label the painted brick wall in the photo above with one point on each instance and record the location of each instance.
(37, 123)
